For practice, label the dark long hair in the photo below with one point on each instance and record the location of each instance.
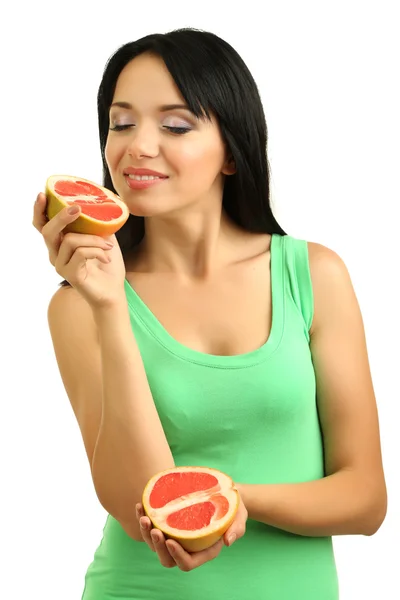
(211, 77)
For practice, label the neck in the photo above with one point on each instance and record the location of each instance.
(192, 246)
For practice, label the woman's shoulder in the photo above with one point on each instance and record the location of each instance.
(327, 267)
(331, 281)
(67, 298)
(69, 312)
(323, 260)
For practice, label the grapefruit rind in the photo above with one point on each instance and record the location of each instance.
(197, 539)
(84, 223)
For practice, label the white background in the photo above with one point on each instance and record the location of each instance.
(328, 75)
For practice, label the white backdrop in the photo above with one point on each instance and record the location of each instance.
(328, 75)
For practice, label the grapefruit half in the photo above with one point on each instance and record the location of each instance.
(102, 211)
(192, 505)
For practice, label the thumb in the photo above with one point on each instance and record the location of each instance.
(230, 537)
(72, 212)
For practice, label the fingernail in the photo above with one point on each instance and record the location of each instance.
(231, 539)
(155, 538)
(73, 210)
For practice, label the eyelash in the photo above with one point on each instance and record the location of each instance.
(178, 130)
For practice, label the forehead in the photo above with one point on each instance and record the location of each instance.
(147, 79)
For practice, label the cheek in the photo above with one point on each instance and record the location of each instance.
(202, 158)
(112, 153)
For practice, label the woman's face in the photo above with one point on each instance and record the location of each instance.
(192, 158)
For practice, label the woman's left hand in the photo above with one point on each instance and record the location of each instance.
(170, 552)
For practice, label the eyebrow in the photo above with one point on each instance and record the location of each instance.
(163, 108)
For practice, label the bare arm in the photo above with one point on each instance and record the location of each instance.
(106, 383)
(351, 498)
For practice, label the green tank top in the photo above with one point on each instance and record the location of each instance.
(253, 416)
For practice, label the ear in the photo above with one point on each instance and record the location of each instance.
(229, 168)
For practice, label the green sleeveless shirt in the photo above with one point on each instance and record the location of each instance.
(253, 416)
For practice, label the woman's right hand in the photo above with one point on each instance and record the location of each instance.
(88, 262)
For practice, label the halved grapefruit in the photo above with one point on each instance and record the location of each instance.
(102, 211)
(192, 505)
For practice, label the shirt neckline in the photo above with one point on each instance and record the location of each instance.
(161, 335)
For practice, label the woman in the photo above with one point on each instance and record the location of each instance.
(202, 334)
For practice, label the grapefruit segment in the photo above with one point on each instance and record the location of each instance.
(102, 212)
(177, 484)
(66, 187)
(221, 505)
(193, 505)
(196, 516)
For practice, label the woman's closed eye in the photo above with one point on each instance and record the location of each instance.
(177, 130)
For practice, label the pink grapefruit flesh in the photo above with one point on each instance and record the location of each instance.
(176, 484)
(102, 211)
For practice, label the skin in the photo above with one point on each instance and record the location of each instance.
(198, 257)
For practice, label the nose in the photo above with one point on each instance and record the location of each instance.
(144, 142)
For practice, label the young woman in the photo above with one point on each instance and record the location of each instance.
(203, 334)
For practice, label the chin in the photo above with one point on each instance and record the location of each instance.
(156, 208)
(144, 209)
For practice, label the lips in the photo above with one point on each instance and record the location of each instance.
(142, 184)
(133, 171)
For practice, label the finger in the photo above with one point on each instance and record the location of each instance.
(72, 271)
(164, 556)
(145, 527)
(52, 231)
(187, 561)
(145, 530)
(71, 241)
(39, 212)
(141, 516)
(230, 537)
(238, 528)
(154, 538)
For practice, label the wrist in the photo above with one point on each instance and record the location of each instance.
(111, 310)
(257, 498)
(241, 488)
